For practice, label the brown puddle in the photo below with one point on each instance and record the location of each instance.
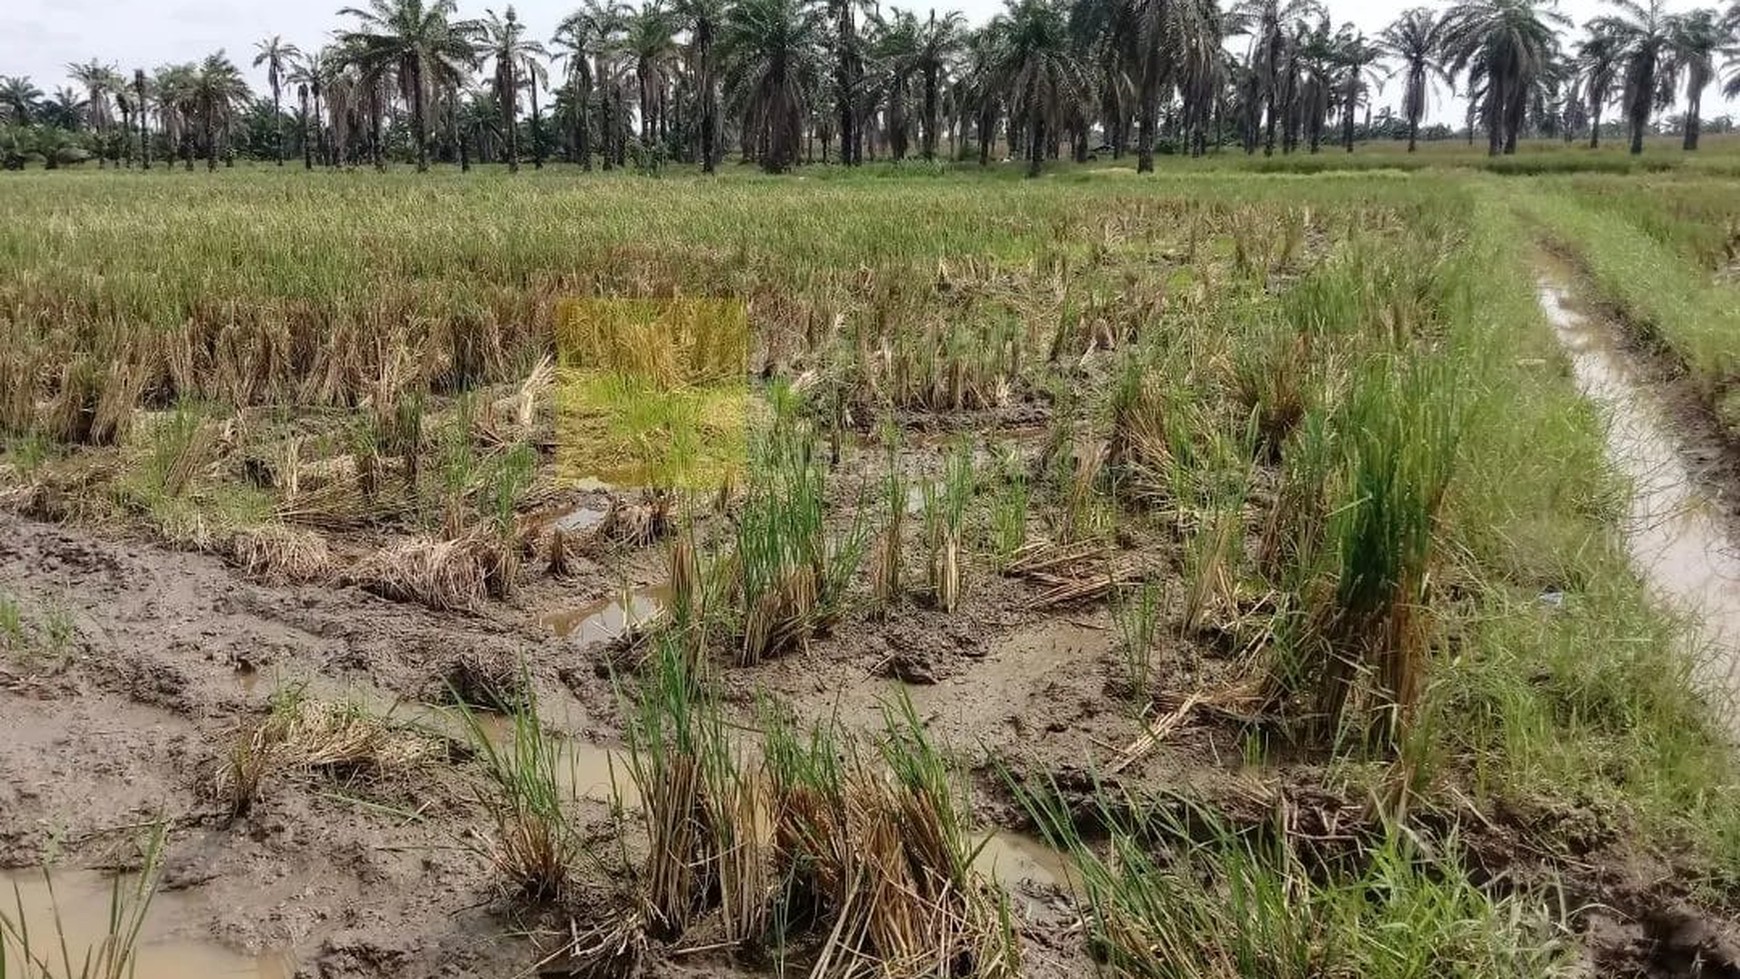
(589, 771)
(1672, 528)
(79, 908)
(609, 618)
(577, 520)
(583, 769)
(1009, 858)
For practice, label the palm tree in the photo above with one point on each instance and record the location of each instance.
(1415, 40)
(140, 101)
(1641, 33)
(503, 41)
(651, 42)
(277, 56)
(479, 122)
(175, 109)
(1039, 69)
(893, 53)
(217, 91)
(19, 98)
(418, 44)
(1166, 45)
(1694, 41)
(99, 81)
(536, 76)
(939, 40)
(702, 19)
(585, 39)
(979, 92)
(310, 71)
(1205, 67)
(1506, 47)
(65, 109)
(771, 48)
(1353, 56)
(848, 79)
(1314, 55)
(1274, 58)
(1597, 68)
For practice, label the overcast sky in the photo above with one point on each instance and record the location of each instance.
(39, 38)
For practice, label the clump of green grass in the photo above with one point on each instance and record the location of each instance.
(1270, 379)
(1136, 611)
(1402, 433)
(885, 573)
(168, 481)
(881, 855)
(787, 575)
(537, 842)
(28, 453)
(945, 509)
(1009, 512)
(13, 634)
(858, 857)
(676, 742)
(1182, 892)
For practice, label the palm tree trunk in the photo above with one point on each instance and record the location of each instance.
(987, 135)
(1347, 114)
(927, 147)
(619, 134)
(537, 129)
(510, 126)
(210, 134)
(319, 124)
(1595, 127)
(457, 150)
(1495, 109)
(144, 120)
(1147, 113)
(419, 123)
(1036, 153)
(1035, 130)
(375, 149)
(851, 148)
(583, 122)
(1694, 103)
(709, 101)
(302, 130)
(277, 122)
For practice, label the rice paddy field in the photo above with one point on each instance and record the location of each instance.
(1206, 574)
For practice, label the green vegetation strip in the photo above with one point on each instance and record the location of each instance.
(1657, 289)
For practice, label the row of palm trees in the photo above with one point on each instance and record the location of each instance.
(1046, 77)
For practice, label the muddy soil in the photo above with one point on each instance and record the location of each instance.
(171, 655)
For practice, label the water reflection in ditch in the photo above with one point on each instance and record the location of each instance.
(1673, 529)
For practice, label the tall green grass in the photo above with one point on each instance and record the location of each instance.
(1662, 294)
(1176, 892)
